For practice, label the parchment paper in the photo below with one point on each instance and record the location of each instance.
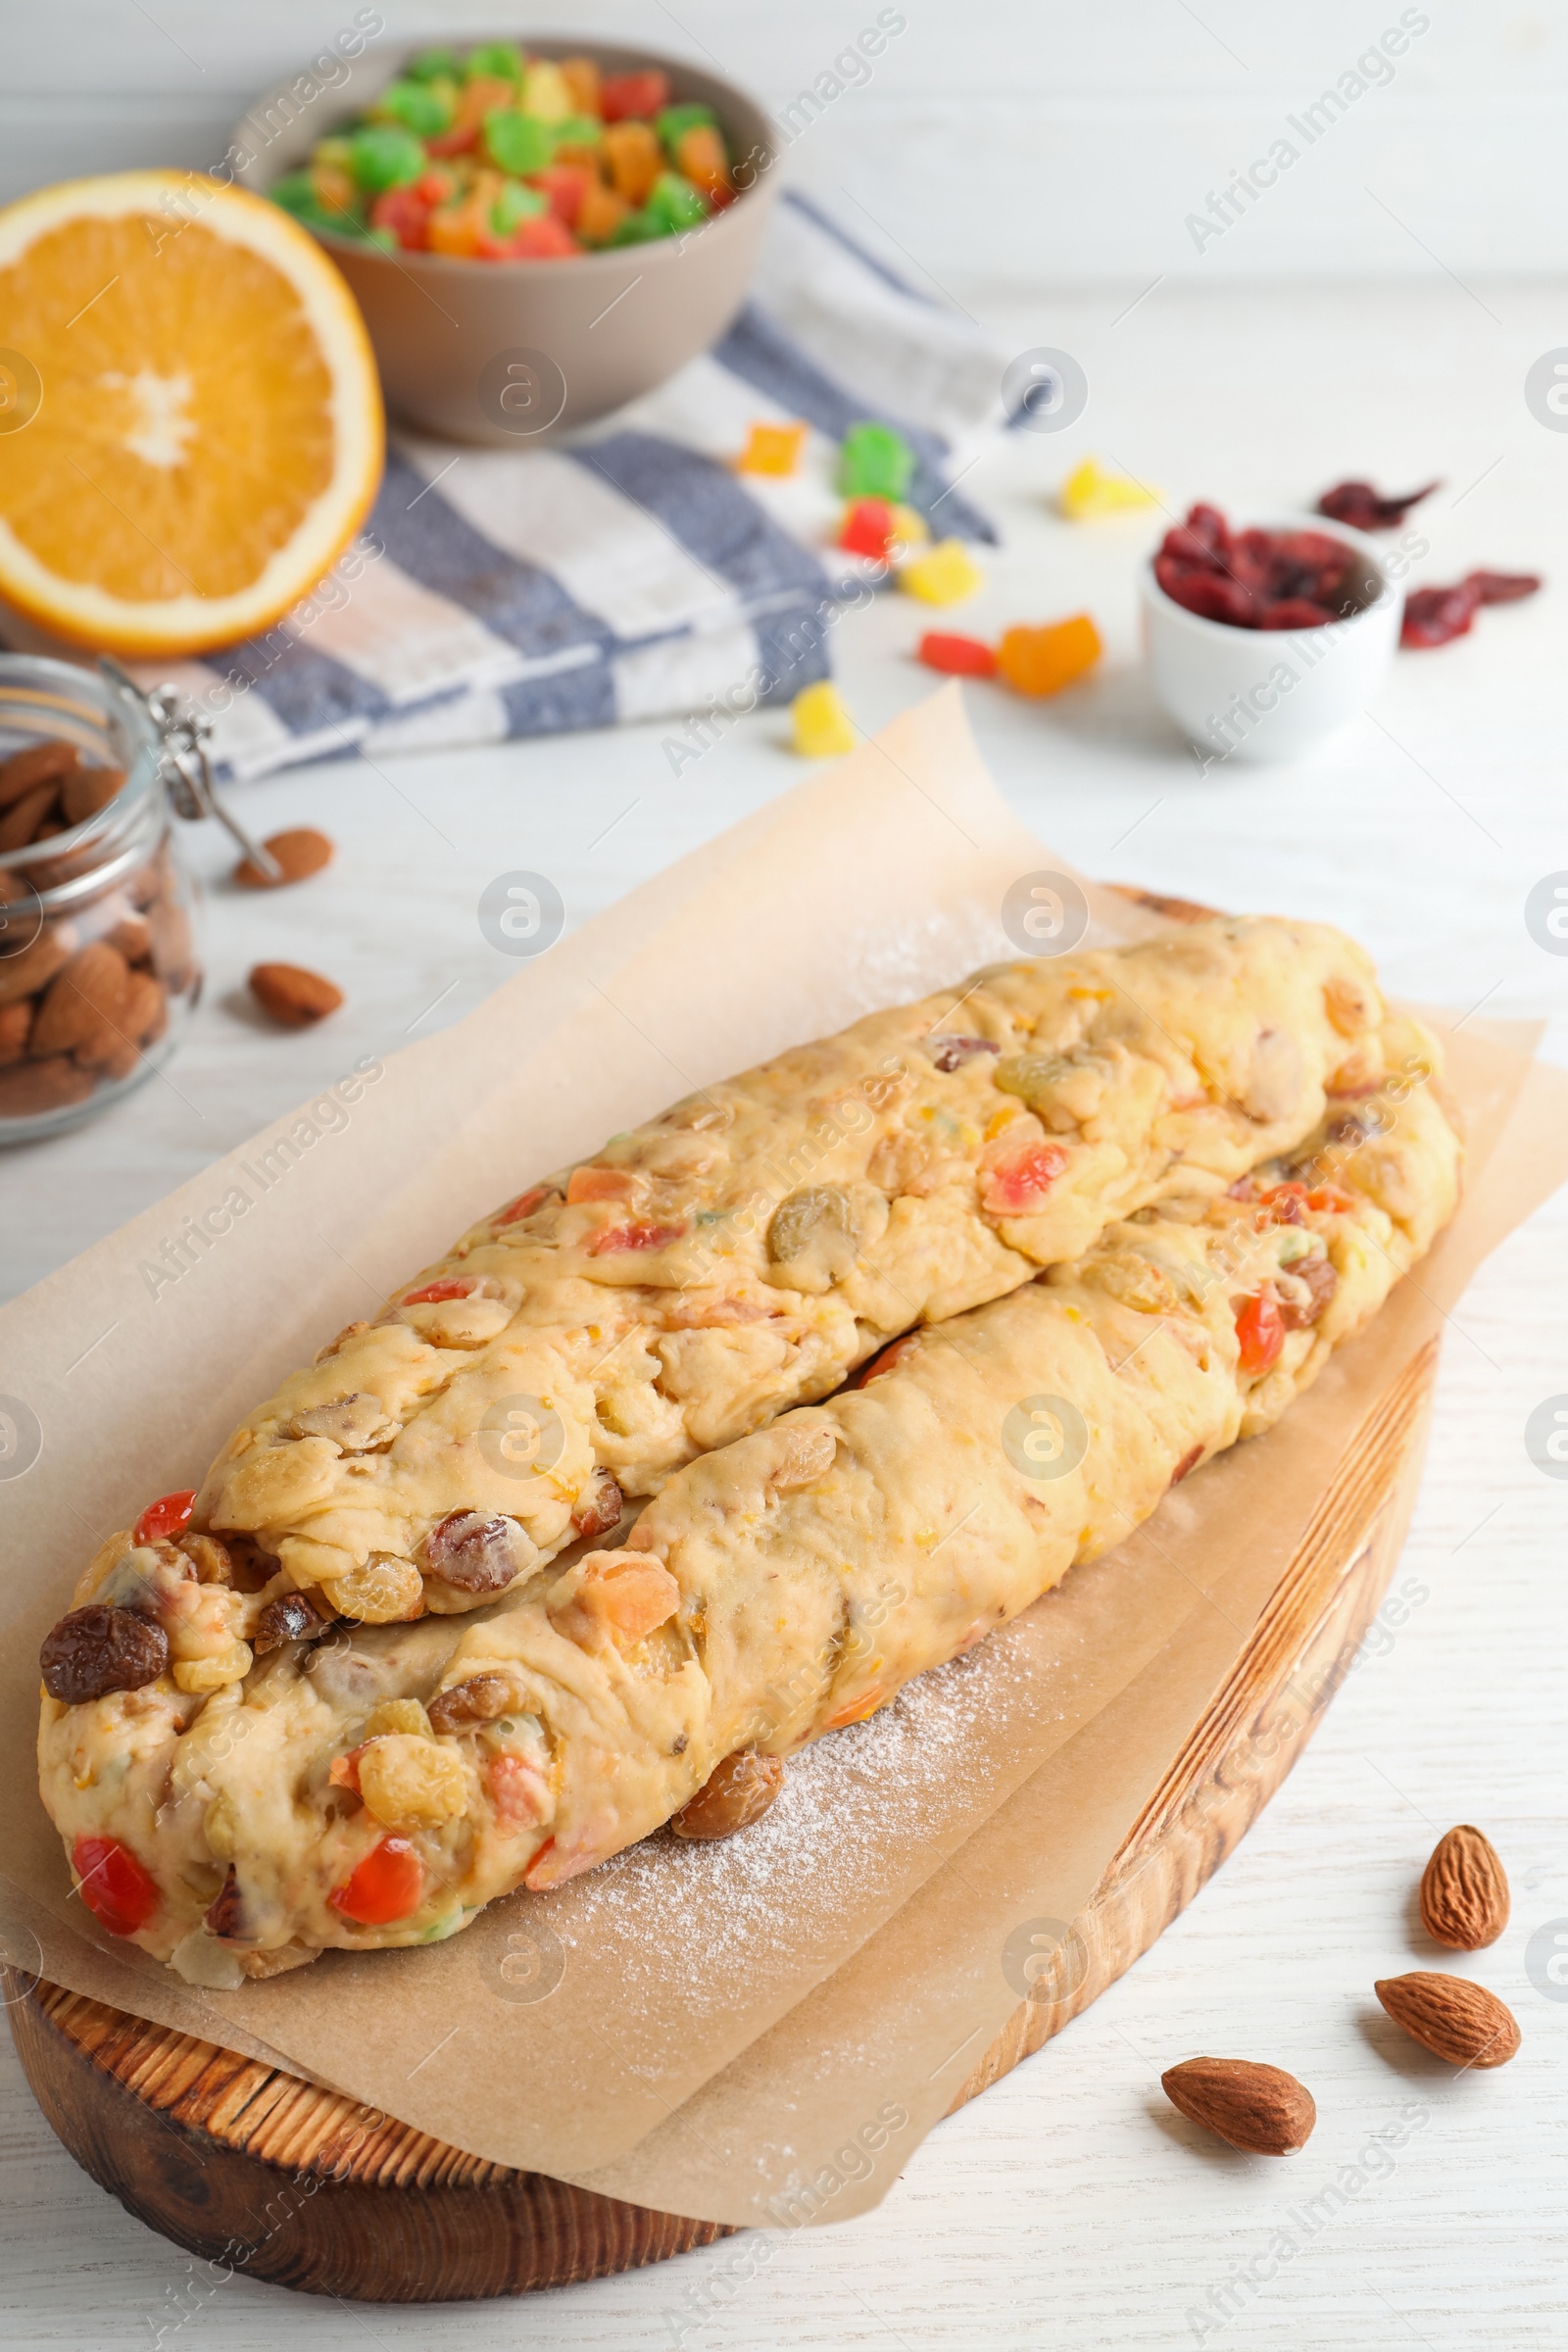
(679, 2028)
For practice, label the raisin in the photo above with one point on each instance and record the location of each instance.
(1320, 1281)
(477, 1554)
(735, 1793)
(97, 1649)
(952, 1053)
(289, 1618)
(481, 1699)
(251, 1564)
(600, 1509)
(226, 1914)
(208, 1557)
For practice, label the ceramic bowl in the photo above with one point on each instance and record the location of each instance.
(516, 352)
(1266, 694)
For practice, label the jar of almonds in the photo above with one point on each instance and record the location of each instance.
(98, 966)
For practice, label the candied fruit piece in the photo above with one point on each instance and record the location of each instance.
(771, 449)
(165, 1518)
(1042, 661)
(823, 727)
(958, 657)
(385, 1885)
(875, 462)
(111, 1882)
(1090, 492)
(944, 575)
(868, 527)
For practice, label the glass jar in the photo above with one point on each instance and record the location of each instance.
(98, 965)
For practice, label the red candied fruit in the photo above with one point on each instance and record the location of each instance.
(868, 528)
(524, 1204)
(113, 1884)
(1017, 1184)
(633, 1237)
(453, 1287)
(889, 1360)
(623, 96)
(165, 1518)
(384, 1886)
(1260, 1331)
(958, 657)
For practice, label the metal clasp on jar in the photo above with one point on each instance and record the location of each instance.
(185, 764)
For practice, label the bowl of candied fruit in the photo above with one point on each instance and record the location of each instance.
(1264, 640)
(536, 231)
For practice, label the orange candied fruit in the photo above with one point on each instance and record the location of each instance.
(1042, 661)
(771, 449)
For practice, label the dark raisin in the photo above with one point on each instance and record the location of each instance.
(251, 1565)
(481, 1699)
(289, 1618)
(600, 1509)
(475, 1553)
(208, 1557)
(226, 1915)
(1321, 1282)
(952, 1053)
(97, 1649)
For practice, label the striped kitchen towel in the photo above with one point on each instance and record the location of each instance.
(632, 575)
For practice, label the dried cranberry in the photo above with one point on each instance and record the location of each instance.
(1437, 615)
(952, 1053)
(1502, 587)
(97, 1649)
(474, 1553)
(289, 1618)
(226, 1914)
(1294, 612)
(600, 1509)
(1366, 509)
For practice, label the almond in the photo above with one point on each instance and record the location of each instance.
(30, 1088)
(293, 996)
(299, 852)
(1465, 1892)
(33, 967)
(1450, 2016)
(16, 1020)
(1260, 2109)
(20, 822)
(83, 1003)
(87, 790)
(36, 763)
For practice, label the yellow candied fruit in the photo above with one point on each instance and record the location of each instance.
(945, 575)
(397, 1715)
(232, 1665)
(772, 449)
(1090, 493)
(383, 1591)
(546, 92)
(404, 1778)
(823, 727)
(909, 526)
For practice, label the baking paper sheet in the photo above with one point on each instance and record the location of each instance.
(678, 2028)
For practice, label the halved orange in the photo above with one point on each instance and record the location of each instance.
(191, 421)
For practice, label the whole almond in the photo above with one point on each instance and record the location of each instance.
(1260, 2109)
(1450, 2016)
(36, 763)
(87, 790)
(16, 1020)
(83, 1002)
(299, 852)
(20, 822)
(34, 966)
(31, 1086)
(293, 996)
(1465, 1892)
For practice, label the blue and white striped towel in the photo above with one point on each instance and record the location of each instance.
(632, 575)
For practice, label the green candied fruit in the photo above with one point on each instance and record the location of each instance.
(498, 60)
(639, 228)
(383, 155)
(519, 143)
(335, 151)
(676, 121)
(579, 130)
(875, 462)
(297, 196)
(434, 65)
(676, 203)
(514, 204)
(427, 108)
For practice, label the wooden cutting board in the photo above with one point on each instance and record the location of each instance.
(249, 2166)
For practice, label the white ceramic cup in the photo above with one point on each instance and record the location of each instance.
(1272, 693)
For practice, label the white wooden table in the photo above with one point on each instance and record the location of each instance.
(1069, 2207)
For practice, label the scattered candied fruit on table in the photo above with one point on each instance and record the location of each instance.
(823, 727)
(505, 157)
(772, 449)
(958, 657)
(944, 575)
(870, 527)
(1437, 615)
(1042, 660)
(875, 462)
(1090, 493)
(1256, 579)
